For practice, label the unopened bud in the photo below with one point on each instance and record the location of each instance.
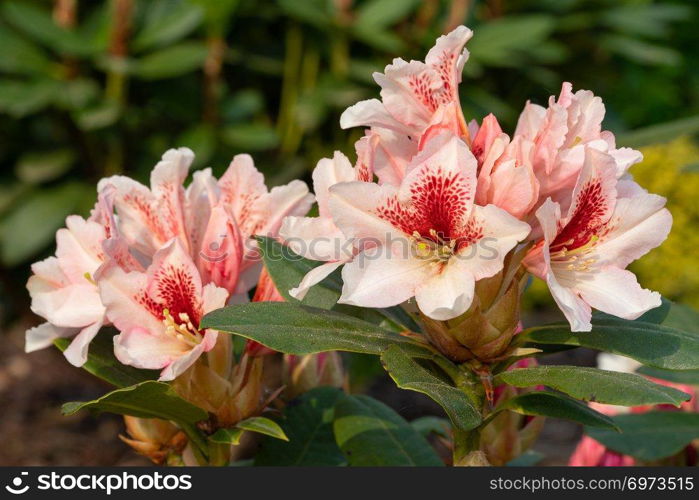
(303, 373)
(159, 440)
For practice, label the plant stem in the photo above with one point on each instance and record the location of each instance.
(465, 444)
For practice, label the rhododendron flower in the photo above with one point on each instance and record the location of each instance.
(64, 292)
(158, 311)
(584, 254)
(428, 239)
(213, 220)
(318, 238)
(412, 92)
(505, 172)
(560, 134)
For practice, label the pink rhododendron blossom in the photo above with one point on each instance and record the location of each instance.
(213, 220)
(585, 252)
(428, 239)
(412, 92)
(560, 134)
(318, 238)
(158, 311)
(64, 292)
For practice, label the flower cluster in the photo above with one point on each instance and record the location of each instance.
(152, 261)
(435, 206)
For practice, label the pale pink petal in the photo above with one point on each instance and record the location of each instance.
(354, 208)
(371, 113)
(448, 293)
(220, 257)
(638, 225)
(76, 353)
(514, 188)
(183, 362)
(315, 238)
(167, 184)
(42, 336)
(448, 57)
(79, 248)
(327, 173)
(617, 292)
(213, 297)
(392, 153)
(242, 185)
(200, 196)
(487, 133)
(313, 277)
(291, 199)
(498, 233)
(383, 277)
(141, 348)
(72, 306)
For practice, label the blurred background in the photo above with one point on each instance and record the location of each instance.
(102, 87)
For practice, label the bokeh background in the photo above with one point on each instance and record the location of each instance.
(90, 88)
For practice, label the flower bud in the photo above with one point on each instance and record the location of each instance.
(159, 440)
(484, 331)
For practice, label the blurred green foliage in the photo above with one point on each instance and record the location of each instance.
(100, 87)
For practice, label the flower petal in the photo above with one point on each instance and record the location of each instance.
(42, 336)
(447, 294)
(76, 353)
(313, 277)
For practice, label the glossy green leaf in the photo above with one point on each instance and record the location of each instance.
(654, 345)
(689, 377)
(227, 436)
(307, 421)
(287, 269)
(650, 436)
(148, 399)
(263, 425)
(102, 363)
(408, 374)
(172, 61)
(294, 329)
(371, 434)
(551, 404)
(591, 384)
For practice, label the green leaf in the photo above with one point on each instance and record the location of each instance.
(259, 425)
(35, 168)
(250, 136)
(32, 225)
(227, 436)
(102, 364)
(20, 98)
(308, 424)
(318, 13)
(550, 404)
(263, 425)
(38, 24)
(172, 61)
(167, 25)
(371, 434)
(508, 40)
(287, 269)
(432, 425)
(689, 377)
(148, 399)
(591, 384)
(408, 374)
(20, 56)
(383, 13)
(294, 329)
(653, 345)
(650, 436)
